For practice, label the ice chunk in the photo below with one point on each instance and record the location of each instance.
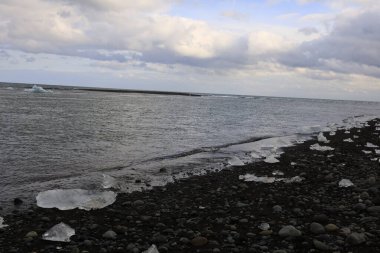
(235, 161)
(348, 140)
(264, 226)
(295, 179)
(252, 177)
(332, 133)
(277, 172)
(293, 163)
(377, 151)
(345, 183)
(59, 233)
(347, 132)
(366, 151)
(355, 136)
(2, 225)
(75, 198)
(37, 89)
(320, 148)
(271, 159)
(255, 155)
(370, 145)
(9, 88)
(322, 138)
(152, 249)
(108, 181)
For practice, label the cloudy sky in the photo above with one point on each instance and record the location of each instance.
(300, 48)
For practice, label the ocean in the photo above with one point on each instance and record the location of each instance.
(77, 139)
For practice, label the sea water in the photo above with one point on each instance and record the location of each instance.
(70, 139)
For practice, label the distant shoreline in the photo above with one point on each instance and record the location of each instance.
(64, 87)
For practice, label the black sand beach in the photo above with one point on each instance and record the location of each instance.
(220, 213)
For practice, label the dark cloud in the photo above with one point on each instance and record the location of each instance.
(352, 47)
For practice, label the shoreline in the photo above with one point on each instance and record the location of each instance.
(218, 212)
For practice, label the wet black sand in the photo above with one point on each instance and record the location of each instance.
(220, 213)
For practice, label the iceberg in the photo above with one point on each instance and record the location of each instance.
(59, 233)
(345, 183)
(37, 89)
(235, 161)
(320, 148)
(271, 159)
(152, 249)
(322, 138)
(75, 198)
(348, 140)
(108, 181)
(2, 225)
(370, 145)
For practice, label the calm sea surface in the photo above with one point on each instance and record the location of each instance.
(68, 139)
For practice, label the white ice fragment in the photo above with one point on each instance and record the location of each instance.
(348, 140)
(235, 161)
(332, 133)
(377, 151)
(277, 173)
(347, 132)
(293, 163)
(152, 249)
(271, 159)
(37, 89)
(370, 145)
(366, 151)
(295, 179)
(255, 155)
(264, 226)
(108, 181)
(9, 88)
(374, 159)
(359, 131)
(330, 155)
(345, 183)
(253, 178)
(355, 136)
(2, 225)
(75, 198)
(320, 148)
(59, 233)
(322, 138)
(377, 128)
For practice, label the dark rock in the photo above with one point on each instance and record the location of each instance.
(199, 241)
(356, 238)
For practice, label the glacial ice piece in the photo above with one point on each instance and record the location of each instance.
(377, 128)
(347, 132)
(295, 179)
(332, 133)
(264, 226)
(269, 180)
(345, 183)
(152, 249)
(370, 145)
(320, 148)
(377, 151)
(366, 151)
(355, 136)
(235, 161)
(277, 173)
(255, 155)
(348, 140)
(75, 198)
(59, 233)
(108, 181)
(2, 225)
(37, 89)
(322, 138)
(271, 159)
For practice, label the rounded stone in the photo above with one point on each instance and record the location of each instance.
(199, 241)
(316, 228)
(331, 227)
(289, 231)
(31, 234)
(110, 235)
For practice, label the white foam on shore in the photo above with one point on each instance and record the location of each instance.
(2, 225)
(320, 148)
(75, 198)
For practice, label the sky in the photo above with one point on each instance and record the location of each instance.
(300, 48)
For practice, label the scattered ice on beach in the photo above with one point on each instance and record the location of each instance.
(108, 181)
(348, 140)
(264, 226)
(347, 132)
(75, 198)
(235, 161)
(59, 233)
(366, 151)
(320, 148)
(152, 249)
(271, 159)
(277, 173)
(322, 138)
(37, 89)
(345, 183)
(268, 180)
(370, 145)
(2, 225)
(332, 133)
